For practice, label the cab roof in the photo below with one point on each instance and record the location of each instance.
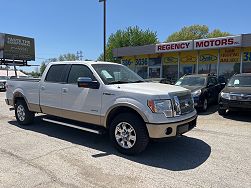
(82, 62)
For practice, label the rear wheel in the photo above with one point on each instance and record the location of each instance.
(205, 105)
(23, 115)
(128, 133)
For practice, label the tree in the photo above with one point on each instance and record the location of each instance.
(68, 57)
(131, 36)
(42, 68)
(64, 57)
(217, 33)
(194, 32)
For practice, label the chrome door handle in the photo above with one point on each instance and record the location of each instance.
(64, 90)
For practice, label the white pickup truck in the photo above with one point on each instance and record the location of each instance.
(93, 96)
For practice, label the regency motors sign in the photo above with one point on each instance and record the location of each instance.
(174, 46)
(16, 47)
(221, 42)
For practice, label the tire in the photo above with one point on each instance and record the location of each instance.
(222, 112)
(22, 113)
(205, 105)
(131, 134)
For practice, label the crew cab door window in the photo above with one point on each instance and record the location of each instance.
(79, 71)
(56, 74)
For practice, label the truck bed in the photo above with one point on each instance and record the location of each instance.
(28, 87)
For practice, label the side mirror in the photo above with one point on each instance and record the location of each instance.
(210, 85)
(87, 82)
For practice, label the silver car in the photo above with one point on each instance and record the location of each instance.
(3, 80)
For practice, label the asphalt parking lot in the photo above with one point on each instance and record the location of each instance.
(215, 154)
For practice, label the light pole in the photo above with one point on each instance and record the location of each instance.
(104, 27)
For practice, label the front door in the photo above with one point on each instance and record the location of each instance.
(81, 104)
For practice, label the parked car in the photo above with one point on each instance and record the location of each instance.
(236, 95)
(107, 96)
(3, 80)
(205, 89)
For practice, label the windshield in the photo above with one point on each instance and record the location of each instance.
(116, 74)
(240, 81)
(191, 81)
(3, 77)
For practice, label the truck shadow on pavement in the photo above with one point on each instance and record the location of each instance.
(239, 116)
(211, 109)
(183, 153)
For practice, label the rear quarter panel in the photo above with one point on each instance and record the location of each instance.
(28, 89)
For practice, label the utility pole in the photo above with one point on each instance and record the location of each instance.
(104, 27)
(80, 55)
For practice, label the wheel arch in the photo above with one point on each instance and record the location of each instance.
(123, 108)
(19, 96)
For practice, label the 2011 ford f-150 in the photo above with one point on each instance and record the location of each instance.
(95, 95)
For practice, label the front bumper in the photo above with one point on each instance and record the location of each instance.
(234, 104)
(171, 129)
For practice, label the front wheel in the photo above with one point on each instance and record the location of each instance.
(222, 112)
(23, 115)
(128, 133)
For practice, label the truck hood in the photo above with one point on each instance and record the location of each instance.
(151, 88)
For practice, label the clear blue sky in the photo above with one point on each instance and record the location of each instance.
(62, 26)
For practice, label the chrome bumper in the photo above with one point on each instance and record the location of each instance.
(171, 129)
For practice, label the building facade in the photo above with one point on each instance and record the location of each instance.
(222, 56)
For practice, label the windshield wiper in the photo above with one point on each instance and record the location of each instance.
(138, 81)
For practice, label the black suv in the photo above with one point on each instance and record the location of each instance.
(205, 89)
(236, 95)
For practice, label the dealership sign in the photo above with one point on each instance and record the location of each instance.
(221, 42)
(16, 47)
(174, 46)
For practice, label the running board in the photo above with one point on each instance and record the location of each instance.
(73, 126)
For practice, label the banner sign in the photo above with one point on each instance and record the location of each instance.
(188, 58)
(16, 47)
(230, 55)
(170, 58)
(208, 56)
(174, 46)
(246, 57)
(128, 61)
(221, 42)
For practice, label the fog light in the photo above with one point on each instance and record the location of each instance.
(169, 131)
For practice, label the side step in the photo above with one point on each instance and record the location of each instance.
(74, 126)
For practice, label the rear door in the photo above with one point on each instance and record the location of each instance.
(81, 104)
(51, 89)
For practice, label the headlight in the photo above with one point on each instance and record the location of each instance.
(196, 93)
(225, 95)
(161, 106)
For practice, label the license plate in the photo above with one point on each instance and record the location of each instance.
(183, 128)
